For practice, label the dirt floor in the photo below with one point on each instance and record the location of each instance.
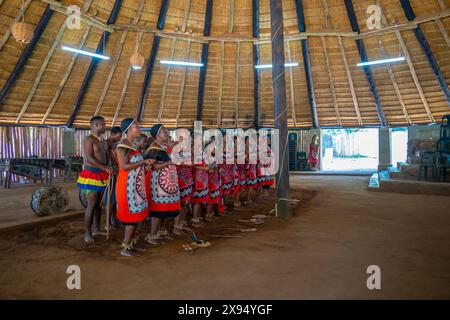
(339, 229)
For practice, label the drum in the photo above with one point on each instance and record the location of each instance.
(49, 200)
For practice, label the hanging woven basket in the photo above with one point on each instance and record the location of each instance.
(22, 32)
(137, 61)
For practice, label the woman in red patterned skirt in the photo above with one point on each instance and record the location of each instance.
(132, 205)
(201, 193)
(165, 194)
(186, 183)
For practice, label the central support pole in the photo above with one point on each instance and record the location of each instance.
(280, 111)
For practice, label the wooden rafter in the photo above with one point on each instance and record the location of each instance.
(394, 83)
(219, 109)
(414, 75)
(16, 19)
(330, 78)
(116, 59)
(443, 31)
(326, 13)
(237, 84)
(65, 77)
(183, 82)
(291, 85)
(391, 73)
(44, 65)
(125, 83)
(406, 26)
(350, 82)
(187, 9)
(230, 16)
(166, 81)
(60, 8)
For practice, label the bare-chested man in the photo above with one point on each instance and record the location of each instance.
(94, 178)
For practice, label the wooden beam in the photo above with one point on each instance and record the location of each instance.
(205, 49)
(443, 32)
(125, 83)
(65, 77)
(93, 65)
(151, 61)
(230, 16)
(187, 9)
(236, 93)
(283, 205)
(183, 82)
(414, 75)
(38, 31)
(116, 59)
(291, 85)
(60, 8)
(330, 78)
(406, 26)
(166, 81)
(326, 13)
(7, 34)
(227, 37)
(219, 109)
(350, 82)
(421, 39)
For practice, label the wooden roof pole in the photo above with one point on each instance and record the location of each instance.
(256, 83)
(66, 75)
(205, 49)
(291, 86)
(126, 81)
(117, 58)
(26, 53)
(307, 64)
(16, 19)
(414, 75)
(93, 65)
(45, 63)
(183, 82)
(350, 82)
(367, 70)
(330, 78)
(151, 61)
(166, 81)
(283, 205)
(421, 39)
(219, 109)
(238, 58)
(187, 9)
(230, 16)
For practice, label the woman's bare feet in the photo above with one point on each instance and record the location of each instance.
(153, 239)
(127, 250)
(88, 239)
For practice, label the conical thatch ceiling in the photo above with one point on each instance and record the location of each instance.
(46, 89)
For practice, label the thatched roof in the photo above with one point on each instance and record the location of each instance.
(45, 91)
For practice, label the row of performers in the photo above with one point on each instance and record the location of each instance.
(150, 186)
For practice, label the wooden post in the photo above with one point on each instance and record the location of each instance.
(93, 65)
(45, 18)
(256, 86)
(283, 205)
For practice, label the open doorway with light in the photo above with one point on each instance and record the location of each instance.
(350, 149)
